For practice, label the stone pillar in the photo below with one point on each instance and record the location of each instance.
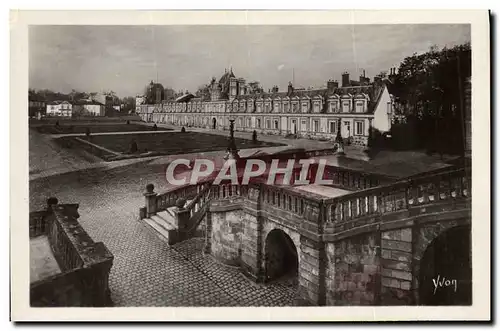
(397, 269)
(182, 216)
(312, 265)
(208, 233)
(312, 271)
(150, 197)
(252, 249)
(51, 202)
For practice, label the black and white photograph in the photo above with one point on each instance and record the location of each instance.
(252, 165)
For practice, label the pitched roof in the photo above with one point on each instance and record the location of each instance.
(87, 102)
(373, 91)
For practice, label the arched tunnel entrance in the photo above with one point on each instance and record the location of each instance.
(445, 269)
(281, 257)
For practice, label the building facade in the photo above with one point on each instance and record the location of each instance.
(88, 108)
(36, 106)
(351, 108)
(59, 108)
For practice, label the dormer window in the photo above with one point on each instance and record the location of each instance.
(317, 106)
(346, 106)
(305, 107)
(276, 107)
(360, 106)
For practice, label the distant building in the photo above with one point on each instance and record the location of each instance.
(351, 108)
(155, 93)
(88, 108)
(59, 108)
(36, 105)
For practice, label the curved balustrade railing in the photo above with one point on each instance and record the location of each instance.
(340, 213)
(398, 196)
(170, 197)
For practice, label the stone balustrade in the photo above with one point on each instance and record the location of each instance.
(365, 207)
(84, 264)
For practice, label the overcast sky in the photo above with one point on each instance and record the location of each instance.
(126, 58)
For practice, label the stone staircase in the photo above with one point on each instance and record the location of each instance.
(165, 224)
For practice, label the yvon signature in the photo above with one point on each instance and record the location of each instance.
(443, 282)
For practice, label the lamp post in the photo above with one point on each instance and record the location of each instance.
(232, 151)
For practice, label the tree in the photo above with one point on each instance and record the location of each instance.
(429, 88)
(254, 136)
(255, 88)
(203, 92)
(128, 104)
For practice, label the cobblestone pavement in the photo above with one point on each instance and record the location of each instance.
(146, 272)
(231, 281)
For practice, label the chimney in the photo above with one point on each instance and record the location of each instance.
(345, 79)
(332, 85)
(290, 88)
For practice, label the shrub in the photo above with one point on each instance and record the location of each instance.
(254, 136)
(155, 127)
(128, 122)
(133, 147)
(183, 129)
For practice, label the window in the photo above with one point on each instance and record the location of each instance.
(276, 125)
(295, 107)
(259, 108)
(347, 126)
(277, 107)
(316, 126)
(286, 107)
(360, 106)
(345, 106)
(333, 127)
(268, 124)
(389, 108)
(249, 122)
(316, 107)
(258, 123)
(358, 128)
(305, 107)
(268, 107)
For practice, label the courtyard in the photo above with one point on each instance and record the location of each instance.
(81, 127)
(165, 143)
(146, 272)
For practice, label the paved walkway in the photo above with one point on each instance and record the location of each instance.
(146, 272)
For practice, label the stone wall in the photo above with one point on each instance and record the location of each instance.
(353, 271)
(397, 267)
(227, 233)
(251, 246)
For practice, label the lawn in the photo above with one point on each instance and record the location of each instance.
(169, 143)
(94, 128)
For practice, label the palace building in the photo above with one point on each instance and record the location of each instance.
(352, 108)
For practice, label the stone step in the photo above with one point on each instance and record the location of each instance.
(166, 219)
(170, 212)
(169, 236)
(163, 223)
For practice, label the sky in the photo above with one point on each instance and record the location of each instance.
(125, 59)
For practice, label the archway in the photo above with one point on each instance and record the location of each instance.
(445, 276)
(281, 257)
(214, 123)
